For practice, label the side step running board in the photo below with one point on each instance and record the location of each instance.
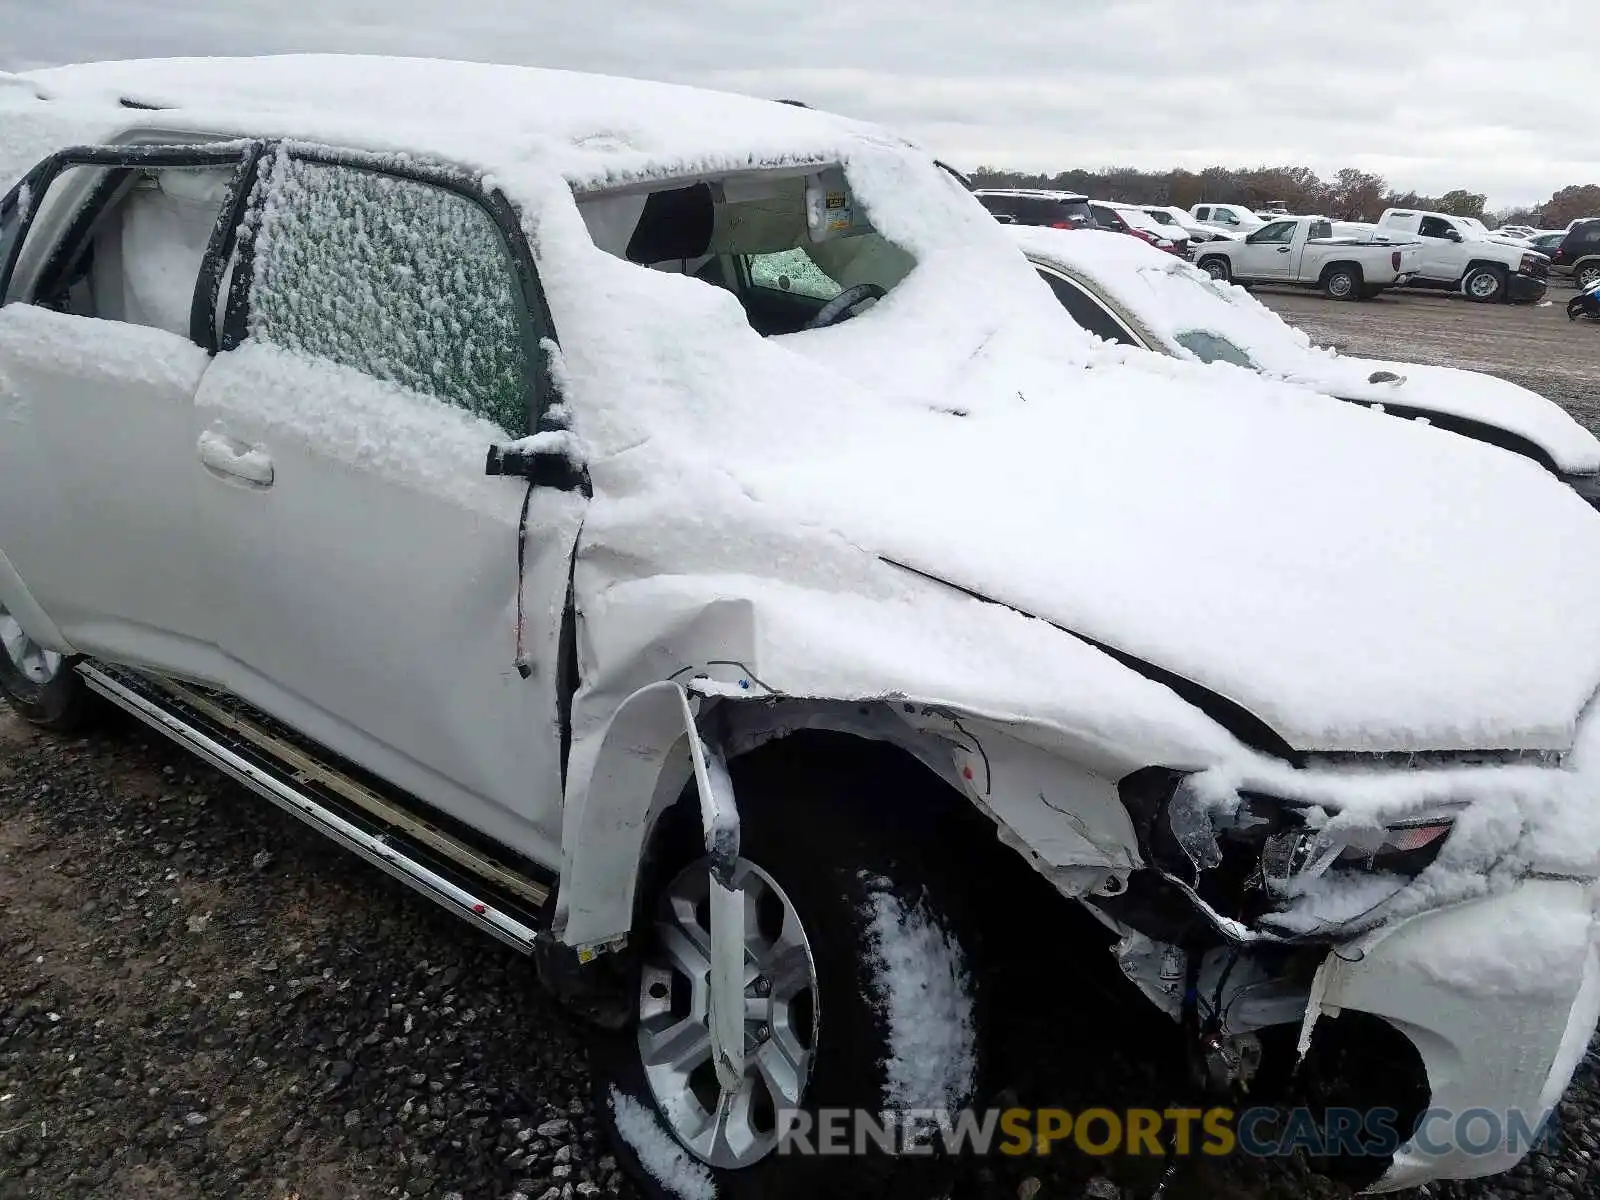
(392, 840)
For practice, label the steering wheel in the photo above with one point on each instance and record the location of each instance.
(841, 307)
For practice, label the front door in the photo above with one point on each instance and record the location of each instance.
(1442, 257)
(379, 339)
(1268, 253)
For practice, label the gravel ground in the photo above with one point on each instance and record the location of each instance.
(201, 998)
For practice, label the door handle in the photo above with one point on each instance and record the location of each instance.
(1283, 249)
(223, 455)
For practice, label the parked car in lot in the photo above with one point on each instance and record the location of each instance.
(1234, 218)
(1547, 244)
(1172, 217)
(1058, 210)
(1457, 256)
(1577, 255)
(1135, 222)
(1130, 296)
(1304, 251)
(678, 534)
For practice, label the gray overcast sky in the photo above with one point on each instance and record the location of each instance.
(1432, 94)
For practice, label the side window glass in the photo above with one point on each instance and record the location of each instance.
(791, 271)
(403, 280)
(1088, 312)
(1435, 228)
(123, 243)
(1201, 214)
(1320, 229)
(1279, 233)
(1211, 347)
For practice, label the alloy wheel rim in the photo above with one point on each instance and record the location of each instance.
(36, 664)
(1340, 285)
(1483, 285)
(723, 1129)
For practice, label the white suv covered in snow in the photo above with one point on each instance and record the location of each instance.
(666, 528)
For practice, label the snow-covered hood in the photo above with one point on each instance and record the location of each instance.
(1241, 557)
(1167, 299)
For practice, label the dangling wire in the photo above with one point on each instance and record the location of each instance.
(524, 666)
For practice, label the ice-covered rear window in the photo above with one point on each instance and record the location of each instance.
(1211, 347)
(403, 280)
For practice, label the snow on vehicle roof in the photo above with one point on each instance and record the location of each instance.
(596, 129)
(1170, 298)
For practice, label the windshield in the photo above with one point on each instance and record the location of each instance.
(785, 243)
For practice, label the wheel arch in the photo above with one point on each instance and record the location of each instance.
(1066, 820)
(1329, 268)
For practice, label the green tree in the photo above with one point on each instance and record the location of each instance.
(1459, 202)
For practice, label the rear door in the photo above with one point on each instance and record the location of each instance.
(99, 363)
(383, 328)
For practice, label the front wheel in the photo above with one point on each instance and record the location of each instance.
(859, 998)
(1587, 276)
(39, 684)
(1217, 267)
(1485, 285)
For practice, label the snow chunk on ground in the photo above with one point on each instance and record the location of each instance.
(919, 981)
(668, 1163)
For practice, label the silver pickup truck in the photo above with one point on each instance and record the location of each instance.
(1304, 251)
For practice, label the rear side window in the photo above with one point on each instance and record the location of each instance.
(1088, 312)
(1587, 235)
(404, 280)
(1075, 211)
(121, 242)
(1108, 218)
(999, 205)
(1211, 347)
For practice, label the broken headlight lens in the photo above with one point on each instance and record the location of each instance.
(1405, 849)
(1273, 862)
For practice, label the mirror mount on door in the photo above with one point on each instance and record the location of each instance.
(544, 460)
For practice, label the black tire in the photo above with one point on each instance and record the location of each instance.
(1587, 276)
(1342, 281)
(847, 861)
(63, 703)
(1372, 291)
(1485, 285)
(1216, 266)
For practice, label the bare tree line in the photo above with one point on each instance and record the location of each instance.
(1351, 195)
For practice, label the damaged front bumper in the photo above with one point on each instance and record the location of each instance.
(1499, 996)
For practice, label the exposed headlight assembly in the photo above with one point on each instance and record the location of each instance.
(1272, 865)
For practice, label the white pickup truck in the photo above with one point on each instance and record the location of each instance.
(1460, 255)
(1234, 218)
(1304, 251)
